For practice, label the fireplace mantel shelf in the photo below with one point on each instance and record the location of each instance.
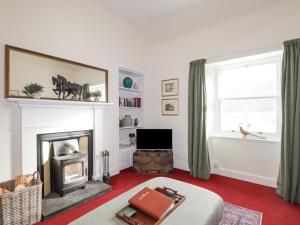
(44, 103)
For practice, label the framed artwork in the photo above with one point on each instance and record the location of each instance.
(170, 87)
(170, 107)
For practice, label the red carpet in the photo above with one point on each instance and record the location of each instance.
(252, 196)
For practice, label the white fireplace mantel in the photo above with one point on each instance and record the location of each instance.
(39, 116)
(44, 103)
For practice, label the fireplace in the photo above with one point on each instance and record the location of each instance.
(65, 161)
(69, 172)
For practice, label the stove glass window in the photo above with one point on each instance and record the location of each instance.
(72, 172)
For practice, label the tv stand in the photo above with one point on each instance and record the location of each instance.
(153, 161)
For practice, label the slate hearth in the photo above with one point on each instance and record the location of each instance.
(53, 204)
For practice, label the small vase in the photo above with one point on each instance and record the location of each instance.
(127, 82)
(36, 95)
(92, 99)
(85, 91)
(136, 122)
(128, 121)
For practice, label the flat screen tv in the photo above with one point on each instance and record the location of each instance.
(156, 139)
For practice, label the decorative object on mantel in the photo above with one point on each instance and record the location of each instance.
(90, 97)
(106, 175)
(94, 96)
(85, 91)
(66, 88)
(97, 94)
(170, 107)
(127, 82)
(14, 93)
(132, 139)
(39, 67)
(21, 206)
(127, 121)
(170, 87)
(245, 133)
(33, 90)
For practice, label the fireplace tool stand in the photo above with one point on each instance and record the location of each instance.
(106, 175)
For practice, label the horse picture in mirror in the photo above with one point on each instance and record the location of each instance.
(64, 88)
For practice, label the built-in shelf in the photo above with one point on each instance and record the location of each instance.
(129, 72)
(133, 127)
(121, 107)
(130, 89)
(125, 150)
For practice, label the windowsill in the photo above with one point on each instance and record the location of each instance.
(249, 139)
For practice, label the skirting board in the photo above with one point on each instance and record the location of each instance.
(270, 182)
(252, 178)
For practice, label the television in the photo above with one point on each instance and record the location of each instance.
(154, 139)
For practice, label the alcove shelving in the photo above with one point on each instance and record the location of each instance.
(134, 96)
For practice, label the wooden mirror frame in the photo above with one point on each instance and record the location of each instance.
(8, 48)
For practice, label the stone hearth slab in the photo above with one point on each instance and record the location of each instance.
(53, 204)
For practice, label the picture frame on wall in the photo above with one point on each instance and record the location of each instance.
(170, 107)
(170, 87)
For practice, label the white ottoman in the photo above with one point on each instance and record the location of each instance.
(201, 207)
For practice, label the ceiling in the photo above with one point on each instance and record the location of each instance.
(142, 13)
(164, 19)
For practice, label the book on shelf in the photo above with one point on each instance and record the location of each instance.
(137, 102)
(130, 102)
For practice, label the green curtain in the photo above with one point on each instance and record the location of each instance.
(288, 183)
(198, 155)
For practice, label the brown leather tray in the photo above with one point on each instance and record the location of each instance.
(140, 218)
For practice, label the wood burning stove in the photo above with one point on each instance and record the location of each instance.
(68, 164)
(65, 160)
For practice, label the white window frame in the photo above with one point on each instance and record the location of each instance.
(217, 102)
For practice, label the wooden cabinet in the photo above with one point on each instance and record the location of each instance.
(148, 161)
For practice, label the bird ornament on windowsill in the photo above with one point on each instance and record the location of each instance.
(245, 133)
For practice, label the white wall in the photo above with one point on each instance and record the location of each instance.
(73, 29)
(84, 32)
(253, 161)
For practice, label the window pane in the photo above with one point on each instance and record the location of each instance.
(232, 114)
(261, 115)
(248, 81)
(253, 115)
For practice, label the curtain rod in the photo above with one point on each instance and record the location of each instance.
(245, 53)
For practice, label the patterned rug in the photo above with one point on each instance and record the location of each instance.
(235, 215)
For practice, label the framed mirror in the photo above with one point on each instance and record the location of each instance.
(30, 74)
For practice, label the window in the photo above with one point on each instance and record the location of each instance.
(248, 95)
